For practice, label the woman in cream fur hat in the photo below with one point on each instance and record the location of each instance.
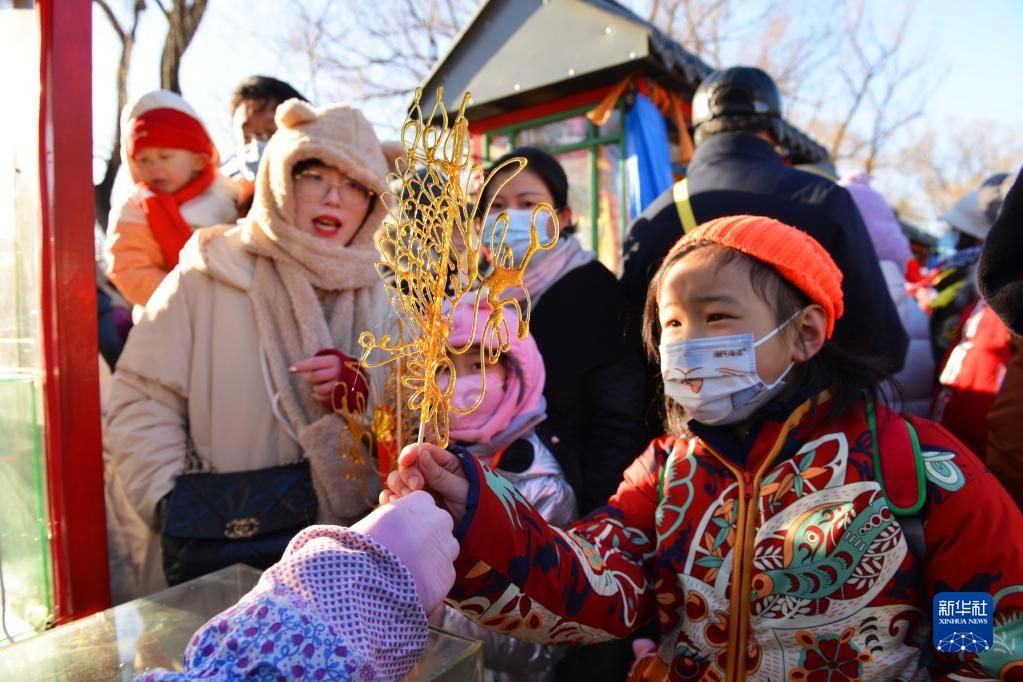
(241, 348)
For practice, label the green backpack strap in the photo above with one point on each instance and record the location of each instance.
(901, 477)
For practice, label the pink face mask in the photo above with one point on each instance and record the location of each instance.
(492, 416)
(515, 403)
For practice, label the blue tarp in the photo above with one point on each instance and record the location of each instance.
(647, 154)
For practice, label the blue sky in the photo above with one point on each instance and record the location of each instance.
(978, 46)
(974, 48)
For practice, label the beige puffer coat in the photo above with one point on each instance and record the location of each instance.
(193, 368)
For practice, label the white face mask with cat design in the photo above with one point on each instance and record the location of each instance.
(715, 378)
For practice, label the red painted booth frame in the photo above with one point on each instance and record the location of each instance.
(74, 453)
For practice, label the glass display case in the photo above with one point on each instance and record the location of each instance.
(119, 643)
(25, 561)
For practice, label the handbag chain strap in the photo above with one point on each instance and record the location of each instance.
(193, 462)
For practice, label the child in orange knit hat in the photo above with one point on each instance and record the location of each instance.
(788, 526)
(173, 162)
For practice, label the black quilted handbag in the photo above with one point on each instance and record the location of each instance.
(212, 520)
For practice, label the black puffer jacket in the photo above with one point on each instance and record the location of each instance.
(596, 389)
(739, 173)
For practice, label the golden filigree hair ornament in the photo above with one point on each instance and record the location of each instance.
(432, 248)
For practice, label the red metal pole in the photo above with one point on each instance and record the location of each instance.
(74, 452)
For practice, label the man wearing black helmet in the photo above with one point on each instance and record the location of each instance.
(737, 170)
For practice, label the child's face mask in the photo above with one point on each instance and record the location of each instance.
(715, 378)
(467, 392)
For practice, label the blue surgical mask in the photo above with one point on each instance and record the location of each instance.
(249, 157)
(518, 234)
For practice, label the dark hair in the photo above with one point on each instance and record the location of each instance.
(263, 89)
(306, 164)
(543, 165)
(737, 124)
(850, 376)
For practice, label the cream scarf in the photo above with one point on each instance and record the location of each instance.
(547, 267)
(294, 323)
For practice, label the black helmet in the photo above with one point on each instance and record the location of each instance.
(736, 91)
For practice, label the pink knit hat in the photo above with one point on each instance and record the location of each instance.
(523, 394)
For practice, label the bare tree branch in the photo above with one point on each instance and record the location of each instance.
(166, 12)
(182, 23)
(872, 80)
(395, 46)
(114, 23)
(655, 7)
(943, 167)
(840, 78)
(105, 187)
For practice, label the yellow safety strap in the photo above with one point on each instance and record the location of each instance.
(684, 205)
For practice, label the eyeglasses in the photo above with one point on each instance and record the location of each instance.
(311, 186)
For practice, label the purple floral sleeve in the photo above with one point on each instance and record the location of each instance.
(338, 606)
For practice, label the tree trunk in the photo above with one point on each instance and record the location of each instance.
(105, 187)
(182, 23)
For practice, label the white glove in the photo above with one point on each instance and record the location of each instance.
(419, 533)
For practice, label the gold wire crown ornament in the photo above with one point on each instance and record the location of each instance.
(432, 248)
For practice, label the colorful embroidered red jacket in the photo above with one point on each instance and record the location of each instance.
(780, 562)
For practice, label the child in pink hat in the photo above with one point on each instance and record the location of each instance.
(500, 432)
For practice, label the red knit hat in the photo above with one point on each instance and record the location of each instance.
(797, 256)
(168, 128)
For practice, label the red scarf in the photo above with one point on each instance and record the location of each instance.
(164, 217)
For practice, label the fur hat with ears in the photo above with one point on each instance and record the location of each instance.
(339, 136)
(393, 151)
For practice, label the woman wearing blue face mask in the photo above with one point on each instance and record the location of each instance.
(253, 105)
(587, 333)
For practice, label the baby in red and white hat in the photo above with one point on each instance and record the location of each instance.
(173, 162)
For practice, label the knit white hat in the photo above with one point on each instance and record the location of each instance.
(157, 99)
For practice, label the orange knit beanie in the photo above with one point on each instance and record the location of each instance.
(797, 256)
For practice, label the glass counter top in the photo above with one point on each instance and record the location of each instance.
(152, 632)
